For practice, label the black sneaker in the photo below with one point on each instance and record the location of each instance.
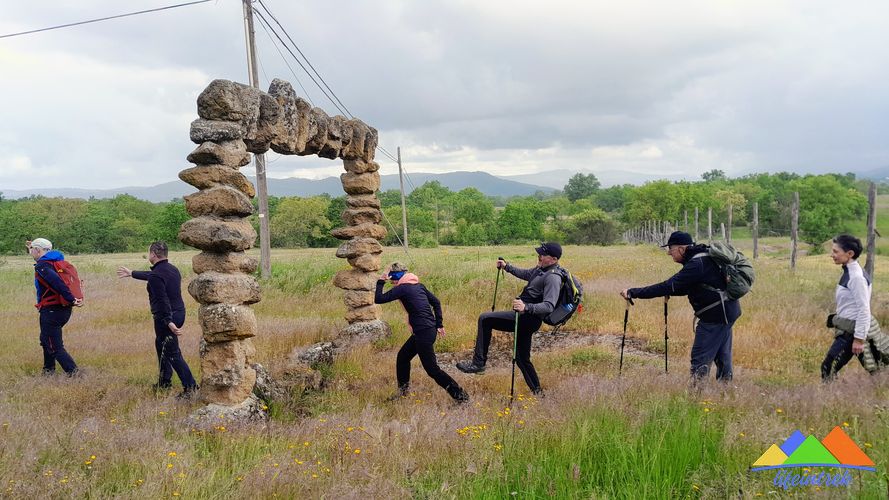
(462, 397)
(470, 367)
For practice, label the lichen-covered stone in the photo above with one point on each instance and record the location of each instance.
(216, 234)
(356, 216)
(223, 201)
(226, 262)
(368, 262)
(366, 230)
(226, 363)
(358, 246)
(224, 322)
(366, 313)
(215, 288)
(357, 298)
(355, 184)
(354, 279)
(208, 176)
(228, 153)
(360, 166)
(215, 131)
(363, 201)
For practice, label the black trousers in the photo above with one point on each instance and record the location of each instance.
(422, 344)
(52, 319)
(504, 321)
(169, 357)
(840, 353)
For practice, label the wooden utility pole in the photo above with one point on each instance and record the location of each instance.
(710, 224)
(755, 229)
(794, 228)
(265, 251)
(871, 230)
(696, 224)
(728, 226)
(403, 205)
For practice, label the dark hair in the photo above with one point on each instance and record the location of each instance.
(159, 248)
(847, 243)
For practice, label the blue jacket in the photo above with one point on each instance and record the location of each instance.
(45, 270)
(697, 279)
(164, 290)
(423, 308)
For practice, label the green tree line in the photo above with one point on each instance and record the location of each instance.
(582, 213)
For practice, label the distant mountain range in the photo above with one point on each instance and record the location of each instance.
(455, 181)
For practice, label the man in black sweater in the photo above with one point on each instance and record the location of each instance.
(425, 322)
(168, 310)
(537, 300)
(701, 280)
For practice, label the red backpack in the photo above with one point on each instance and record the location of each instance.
(68, 273)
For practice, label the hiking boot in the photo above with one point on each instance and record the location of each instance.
(402, 392)
(188, 393)
(470, 367)
(538, 393)
(461, 397)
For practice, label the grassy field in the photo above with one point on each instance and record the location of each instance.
(595, 435)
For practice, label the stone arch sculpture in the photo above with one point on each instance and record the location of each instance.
(235, 120)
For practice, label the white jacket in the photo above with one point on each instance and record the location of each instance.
(853, 297)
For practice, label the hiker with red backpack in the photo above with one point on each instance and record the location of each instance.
(58, 288)
(713, 288)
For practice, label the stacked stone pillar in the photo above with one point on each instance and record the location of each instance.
(224, 286)
(362, 234)
(236, 120)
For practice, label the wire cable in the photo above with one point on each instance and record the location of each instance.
(10, 35)
(262, 18)
(344, 108)
(277, 48)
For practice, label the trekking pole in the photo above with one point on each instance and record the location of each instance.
(515, 346)
(666, 299)
(624, 338)
(496, 286)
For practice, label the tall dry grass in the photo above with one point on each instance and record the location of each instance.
(643, 435)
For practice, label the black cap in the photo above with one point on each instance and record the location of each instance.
(679, 238)
(550, 248)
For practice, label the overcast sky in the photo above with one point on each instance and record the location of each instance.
(621, 88)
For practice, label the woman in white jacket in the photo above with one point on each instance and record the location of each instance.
(853, 305)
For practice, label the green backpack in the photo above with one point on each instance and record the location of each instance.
(738, 270)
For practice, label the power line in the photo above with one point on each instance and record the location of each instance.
(103, 19)
(301, 65)
(331, 96)
(275, 44)
(306, 58)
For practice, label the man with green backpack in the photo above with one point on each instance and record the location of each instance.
(714, 278)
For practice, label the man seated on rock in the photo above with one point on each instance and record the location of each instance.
(168, 310)
(537, 300)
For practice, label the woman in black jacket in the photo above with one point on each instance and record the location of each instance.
(425, 322)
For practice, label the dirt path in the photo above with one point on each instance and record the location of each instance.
(500, 354)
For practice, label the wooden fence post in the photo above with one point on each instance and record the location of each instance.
(871, 230)
(755, 229)
(794, 229)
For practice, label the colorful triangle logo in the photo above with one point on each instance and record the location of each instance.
(835, 450)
